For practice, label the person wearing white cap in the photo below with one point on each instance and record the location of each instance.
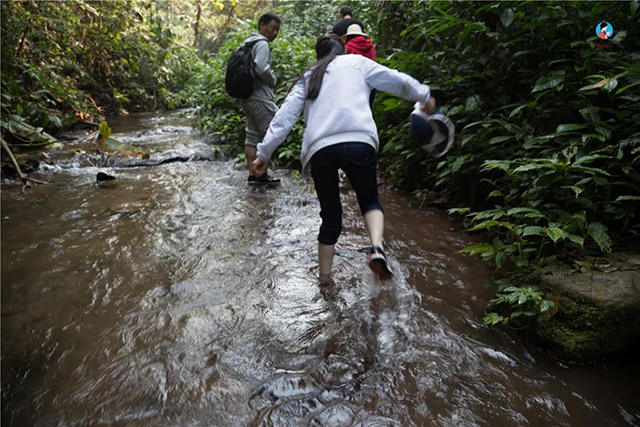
(358, 43)
(340, 133)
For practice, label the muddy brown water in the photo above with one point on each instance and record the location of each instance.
(178, 296)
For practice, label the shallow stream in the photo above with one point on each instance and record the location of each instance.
(178, 296)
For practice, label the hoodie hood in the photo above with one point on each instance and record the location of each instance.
(265, 79)
(254, 37)
(361, 46)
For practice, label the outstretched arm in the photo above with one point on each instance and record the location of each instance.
(388, 80)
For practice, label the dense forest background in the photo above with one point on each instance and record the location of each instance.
(547, 115)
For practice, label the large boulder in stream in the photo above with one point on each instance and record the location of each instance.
(597, 307)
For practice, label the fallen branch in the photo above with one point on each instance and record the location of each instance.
(91, 138)
(84, 122)
(41, 144)
(25, 179)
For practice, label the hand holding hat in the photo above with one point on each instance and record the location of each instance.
(430, 106)
(431, 131)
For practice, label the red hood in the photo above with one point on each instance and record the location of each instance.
(361, 45)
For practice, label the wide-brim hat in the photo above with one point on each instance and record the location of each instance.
(353, 30)
(432, 133)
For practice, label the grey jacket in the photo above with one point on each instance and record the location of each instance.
(265, 79)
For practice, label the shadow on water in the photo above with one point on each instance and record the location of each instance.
(178, 295)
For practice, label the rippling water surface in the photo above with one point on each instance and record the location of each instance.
(178, 296)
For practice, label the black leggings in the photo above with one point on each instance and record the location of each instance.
(358, 161)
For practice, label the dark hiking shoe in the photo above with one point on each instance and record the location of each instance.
(264, 179)
(328, 289)
(378, 263)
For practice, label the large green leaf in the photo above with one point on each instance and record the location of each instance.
(588, 159)
(532, 166)
(499, 139)
(555, 233)
(532, 230)
(517, 110)
(598, 233)
(569, 127)
(547, 82)
(591, 114)
(545, 305)
(610, 85)
(472, 103)
(457, 164)
(17, 126)
(622, 89)
(575, 188)
(514, 211)
(492, 319)
(487, 224)
(577, 239)
(506, 17)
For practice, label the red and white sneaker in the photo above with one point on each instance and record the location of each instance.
(378, 263)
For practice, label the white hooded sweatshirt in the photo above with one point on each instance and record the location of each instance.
(341, 112)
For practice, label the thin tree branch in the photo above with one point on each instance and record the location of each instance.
(25, 179)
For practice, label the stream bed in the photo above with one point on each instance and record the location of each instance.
(177, 295)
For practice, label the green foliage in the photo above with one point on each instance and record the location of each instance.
(582, 330)
(292, 52)
(67, 60)
(518, 301)
(16, 126)
(547, 119)
(105, 130)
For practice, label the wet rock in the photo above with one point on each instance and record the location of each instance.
(27, 165)
(597, 309)
(104, 177)
(437, 203)
(613, 285)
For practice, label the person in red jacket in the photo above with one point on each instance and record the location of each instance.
(358, 43)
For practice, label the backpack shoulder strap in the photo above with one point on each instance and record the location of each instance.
(251, 44)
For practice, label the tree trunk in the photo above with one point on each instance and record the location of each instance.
(196, 25)
(230, 14)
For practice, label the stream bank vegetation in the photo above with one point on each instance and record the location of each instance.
(67, 65)
(547, 160)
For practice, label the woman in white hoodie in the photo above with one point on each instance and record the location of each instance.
(340, 134)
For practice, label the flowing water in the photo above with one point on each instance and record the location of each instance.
(178, 296)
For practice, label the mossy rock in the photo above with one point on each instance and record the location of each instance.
(580, 330)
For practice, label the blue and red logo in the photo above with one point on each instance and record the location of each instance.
(604, 30)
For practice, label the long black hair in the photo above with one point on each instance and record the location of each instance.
(327, 48)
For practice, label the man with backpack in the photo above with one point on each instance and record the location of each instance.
(260, 106)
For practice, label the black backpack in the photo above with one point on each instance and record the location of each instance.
(239, 81)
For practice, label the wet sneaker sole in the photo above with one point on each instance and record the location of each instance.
(380, 269)
(263, 183)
